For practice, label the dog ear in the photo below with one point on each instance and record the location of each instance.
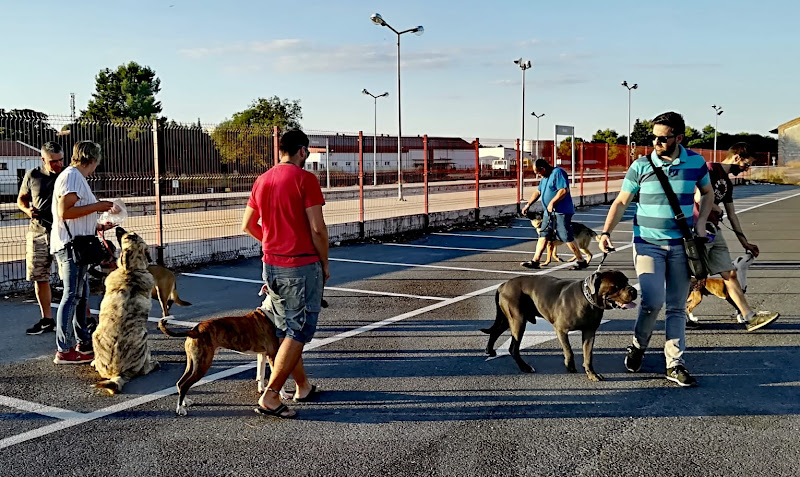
(594, 283)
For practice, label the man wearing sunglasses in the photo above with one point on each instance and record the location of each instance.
(659, 256)
(737, 160)
(35, 199)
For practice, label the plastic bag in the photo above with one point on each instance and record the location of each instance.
(107, 217)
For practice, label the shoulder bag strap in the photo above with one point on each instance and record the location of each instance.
(673, 200)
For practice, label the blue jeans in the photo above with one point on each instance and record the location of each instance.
(663, 273)
(561, 228)
(71, 319)
(294, 299)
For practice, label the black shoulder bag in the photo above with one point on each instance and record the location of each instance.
(695, 246)
(86, 249)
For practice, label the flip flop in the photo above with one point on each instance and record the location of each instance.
(580, 265)
(279, 412)
(312, 395)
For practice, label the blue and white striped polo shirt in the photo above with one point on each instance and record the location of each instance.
(654, 221)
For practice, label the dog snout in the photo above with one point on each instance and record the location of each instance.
(120, 233)
(632, 293)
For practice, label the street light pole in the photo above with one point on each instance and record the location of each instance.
(378, 20)
(717, 111)
(523, 65)
(375, 135)
(537, 116)
(630, 88)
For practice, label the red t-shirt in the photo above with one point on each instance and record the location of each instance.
(281, 196)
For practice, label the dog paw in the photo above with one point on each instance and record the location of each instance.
(571, 368)
(180, 410)
(187, 402)
(594, 376)
(527, 369)
(491, 352)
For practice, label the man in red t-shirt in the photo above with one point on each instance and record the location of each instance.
(737, 160)
(294, 238)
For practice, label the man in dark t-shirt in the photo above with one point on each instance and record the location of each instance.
(738, 159)
(35, 199)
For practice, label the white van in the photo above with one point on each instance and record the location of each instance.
(500, 164)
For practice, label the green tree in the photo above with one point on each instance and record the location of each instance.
(26, 125)
(605, 136)
(127, 93)
(642, 133)
(247, 136)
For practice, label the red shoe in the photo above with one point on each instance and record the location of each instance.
(71, 357)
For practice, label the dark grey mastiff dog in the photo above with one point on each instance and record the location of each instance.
(567, 304)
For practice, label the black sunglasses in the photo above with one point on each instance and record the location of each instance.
(662, 139)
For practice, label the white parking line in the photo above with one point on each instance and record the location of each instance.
(36, 408)
(485, 236)
(149, 318)
(438, 267)
(465, 249)
(349, 290)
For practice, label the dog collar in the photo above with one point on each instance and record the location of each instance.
(587, 294)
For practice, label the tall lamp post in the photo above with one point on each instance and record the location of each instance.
(537, 116)
(718, 111)
(375, 136)
(378, 20)
(630, 88)
(523, 65)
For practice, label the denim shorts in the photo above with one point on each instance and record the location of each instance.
(561, 229)
(294, 299)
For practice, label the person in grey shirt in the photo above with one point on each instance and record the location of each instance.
(35, 200)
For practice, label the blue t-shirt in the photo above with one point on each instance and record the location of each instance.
(548, 187)
(654, 221)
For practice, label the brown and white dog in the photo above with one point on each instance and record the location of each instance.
(251, 333)
(716, 287)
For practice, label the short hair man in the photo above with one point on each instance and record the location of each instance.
(557, 202)
(35, 199)
(737, 160)
(659, 256)
(288, 201)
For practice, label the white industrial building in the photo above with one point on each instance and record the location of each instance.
(16, 158)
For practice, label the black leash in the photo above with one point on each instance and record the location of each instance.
(605, 255)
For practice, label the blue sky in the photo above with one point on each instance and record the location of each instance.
(458, 78)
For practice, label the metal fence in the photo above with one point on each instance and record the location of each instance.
(186, 186)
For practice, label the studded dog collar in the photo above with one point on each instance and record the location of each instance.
(588, 295)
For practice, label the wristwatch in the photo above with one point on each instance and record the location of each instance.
(606, 233)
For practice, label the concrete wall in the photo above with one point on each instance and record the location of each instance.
(789, 145)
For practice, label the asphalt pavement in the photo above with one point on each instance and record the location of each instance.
(408, 389)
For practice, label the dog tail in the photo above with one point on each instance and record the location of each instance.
(113, 385)
(498, 317)
(162, 325)
(177, 300)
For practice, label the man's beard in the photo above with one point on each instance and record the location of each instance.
(668, 151)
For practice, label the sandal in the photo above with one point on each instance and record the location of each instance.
(311, 396)
(281, 412)
(580, 265)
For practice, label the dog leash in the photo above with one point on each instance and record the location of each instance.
(605, 255)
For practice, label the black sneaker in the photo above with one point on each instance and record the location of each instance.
(633, 359)
(85, 349)
(530, 264)
(678, 374)
(45, 325)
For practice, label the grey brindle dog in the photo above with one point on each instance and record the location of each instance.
(567, 304)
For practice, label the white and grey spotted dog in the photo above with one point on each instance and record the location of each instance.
(121, 350)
